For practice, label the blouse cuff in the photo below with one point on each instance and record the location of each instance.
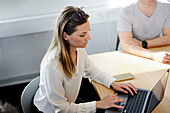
(89, 107)
(92, 105)
(108, 81)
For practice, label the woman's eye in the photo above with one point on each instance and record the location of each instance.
(82, 35)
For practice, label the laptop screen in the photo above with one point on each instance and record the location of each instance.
(159, 88)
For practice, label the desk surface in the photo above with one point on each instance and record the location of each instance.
(146, 72)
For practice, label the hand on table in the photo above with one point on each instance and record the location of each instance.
(162, 56)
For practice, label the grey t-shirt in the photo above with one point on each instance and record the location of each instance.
(143, 27)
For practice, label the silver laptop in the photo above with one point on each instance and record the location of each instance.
(143, 102)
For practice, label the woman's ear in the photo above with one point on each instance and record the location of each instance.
(65, 36)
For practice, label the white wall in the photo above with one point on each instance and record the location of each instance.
(26, 32)
(13, 9)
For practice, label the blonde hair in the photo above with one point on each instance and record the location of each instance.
(65, 24)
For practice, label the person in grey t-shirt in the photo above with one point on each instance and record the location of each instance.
(143, 25)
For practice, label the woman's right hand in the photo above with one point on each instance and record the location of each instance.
(109, 101)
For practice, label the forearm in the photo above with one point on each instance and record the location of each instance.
(134, 46)
(159, 41)
(101, 77)
(137, 50)
(162, 56)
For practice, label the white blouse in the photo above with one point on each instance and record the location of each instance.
(57, 92)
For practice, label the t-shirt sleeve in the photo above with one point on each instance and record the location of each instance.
(167, 20)
(124, 21)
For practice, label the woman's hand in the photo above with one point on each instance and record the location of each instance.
(109, 101)
(124, 87)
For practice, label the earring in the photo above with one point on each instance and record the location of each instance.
(66, 41)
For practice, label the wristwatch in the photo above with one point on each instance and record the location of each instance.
(144, 44)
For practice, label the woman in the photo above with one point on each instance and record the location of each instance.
(63, 67)
(140, 27)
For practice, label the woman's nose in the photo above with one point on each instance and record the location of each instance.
(88, 37)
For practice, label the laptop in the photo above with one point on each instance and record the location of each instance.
(143, 102)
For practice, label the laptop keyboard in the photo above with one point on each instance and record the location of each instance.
(135, 103)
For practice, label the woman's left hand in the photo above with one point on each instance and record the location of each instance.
(124, 87)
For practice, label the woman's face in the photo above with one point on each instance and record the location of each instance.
(80, 37)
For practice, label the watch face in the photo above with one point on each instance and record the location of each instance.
(144, 44)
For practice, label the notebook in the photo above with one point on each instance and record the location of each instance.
(124, 76)
(145, 101)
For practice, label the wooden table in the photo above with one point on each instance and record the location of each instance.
(147, 72)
